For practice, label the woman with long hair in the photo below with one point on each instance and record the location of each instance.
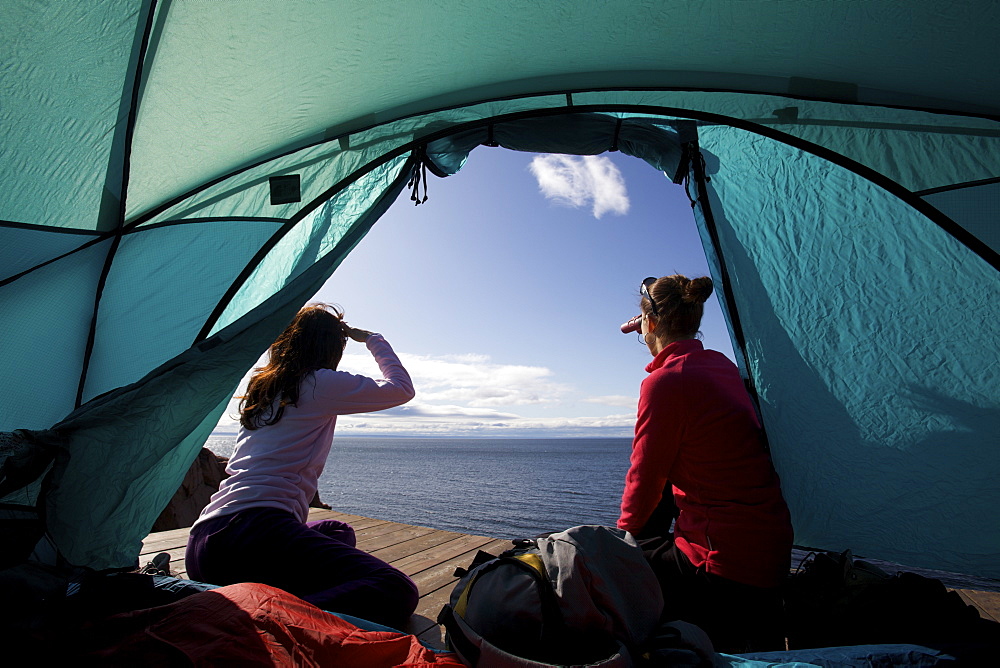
(699, 455)
(254, 528)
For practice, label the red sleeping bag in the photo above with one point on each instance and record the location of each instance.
(248, 624)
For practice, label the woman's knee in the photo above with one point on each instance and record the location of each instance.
(401, 596)
(384, 595)
(398, 593)
(336, 530)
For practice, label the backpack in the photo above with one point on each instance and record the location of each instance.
(583, 596)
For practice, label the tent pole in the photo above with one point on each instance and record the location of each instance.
(697, 175)
(112, 213)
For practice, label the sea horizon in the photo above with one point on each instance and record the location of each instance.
(461, 483)
(471, 436)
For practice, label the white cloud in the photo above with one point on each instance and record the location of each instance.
(614, 400)
(467, 396)
(472, 380)
(579, 181)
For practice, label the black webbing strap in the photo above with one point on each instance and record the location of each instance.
(456, 636)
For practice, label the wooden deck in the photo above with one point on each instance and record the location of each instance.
(430, 557)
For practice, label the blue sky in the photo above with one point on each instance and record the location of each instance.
(504, 292)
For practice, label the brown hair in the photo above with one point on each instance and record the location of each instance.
(680, 303)
(315, 339)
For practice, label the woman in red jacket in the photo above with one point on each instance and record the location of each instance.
(699, 455)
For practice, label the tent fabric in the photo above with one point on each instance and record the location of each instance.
(166, 417)
(974, 208)
(66, 93)
(848, 375)
(851, 219)
(358, 64)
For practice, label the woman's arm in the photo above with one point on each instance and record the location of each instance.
(396, 379)
(344, 393)
(658, 433)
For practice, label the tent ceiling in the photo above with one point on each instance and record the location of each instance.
(226, 84)
(229, 83)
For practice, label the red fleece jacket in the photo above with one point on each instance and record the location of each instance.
(697, 428)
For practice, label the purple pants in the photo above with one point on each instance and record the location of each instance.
(317, 562)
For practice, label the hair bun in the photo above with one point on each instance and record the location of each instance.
(697, 290)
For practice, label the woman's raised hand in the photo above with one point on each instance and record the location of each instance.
(359, 335)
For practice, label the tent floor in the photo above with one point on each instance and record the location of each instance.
(430, 557)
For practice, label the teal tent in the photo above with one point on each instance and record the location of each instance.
(180, 176)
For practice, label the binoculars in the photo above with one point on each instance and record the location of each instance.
(632, 325)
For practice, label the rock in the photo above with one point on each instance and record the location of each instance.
(200, 483)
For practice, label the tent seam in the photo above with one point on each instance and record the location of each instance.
(957, 186)
(206, 219)
(104, 236)
(126, 163)
(11, 279)
(11, 224)
(263, 251)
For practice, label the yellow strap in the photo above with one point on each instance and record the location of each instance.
(533, 560)
(463, 600)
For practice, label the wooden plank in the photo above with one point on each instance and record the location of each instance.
(358, 524)
(164, 540)
(987, 603)
(969, 600)
(442, 574)
(432, 569)
(423, 622)
(434, 637)
(409, 556)
(430, 605)
(401, 535)
(373, 534)
(156, 546)
(416, 560)
(332, 514)
(355, 521)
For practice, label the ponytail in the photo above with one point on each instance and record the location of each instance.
(680, 304)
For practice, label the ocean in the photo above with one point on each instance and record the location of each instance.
(501, 488)
(496, 487)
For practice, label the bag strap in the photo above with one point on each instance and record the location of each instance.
(473, 650)
(460, 642)
(553, 622)
(480, 559)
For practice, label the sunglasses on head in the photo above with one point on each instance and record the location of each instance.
(644, 291)
(635, 324)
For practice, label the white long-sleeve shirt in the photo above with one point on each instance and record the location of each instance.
(278, 466)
